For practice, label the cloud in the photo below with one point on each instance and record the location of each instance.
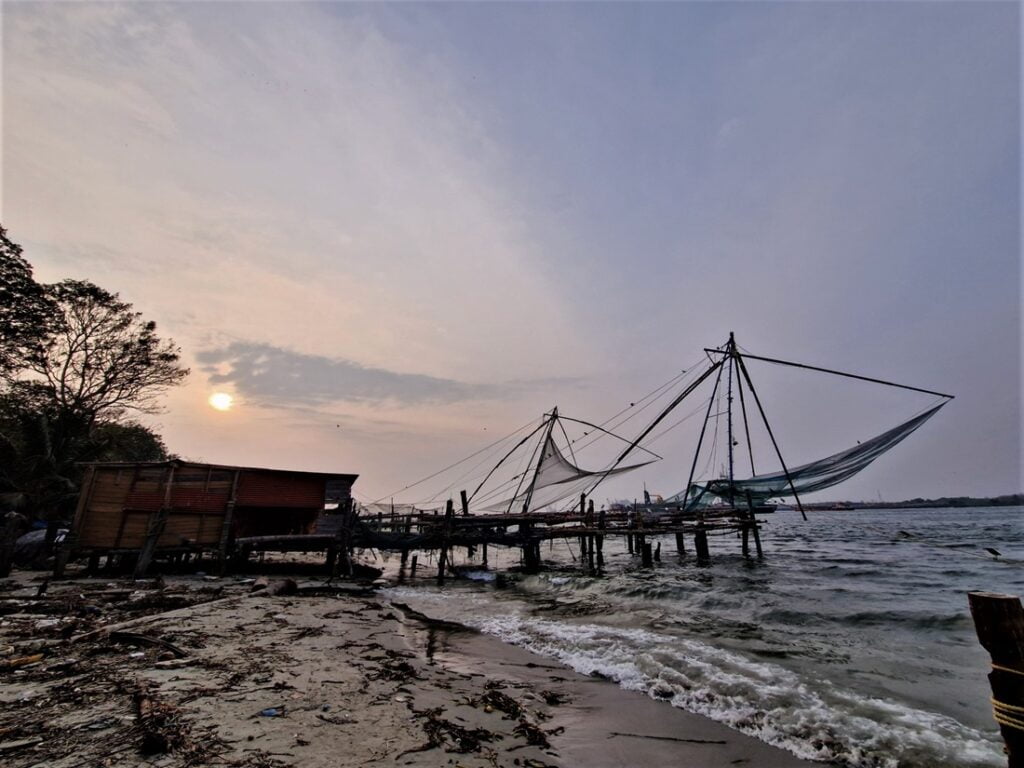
(280, 377)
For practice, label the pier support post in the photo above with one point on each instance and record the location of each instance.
(629, 542)
(465, 503)
(657, 553)
(999, 621)
(645, 555)
(700, 543)
(680, 543)
(745, 536)
(442, 558)
(753, 528)
(531, 556)
(412, 569)
(483, 552)
(601, 522)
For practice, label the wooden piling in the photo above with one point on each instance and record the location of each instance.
(680, 543)
(465, 503)
(753, 527)
(483, 553)
(657, 553)
(412, 568)
(999, 621)
(745, 538)
(700, 543)
(442, 557)
(645, 555)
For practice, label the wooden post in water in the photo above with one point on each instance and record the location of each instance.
(680, 543)
(657, 553)
(645, 554)
(745, 535)
(465, 503)
(442, 558)
(999, 621)
(599, 539)
(412, 568)
(483, 552)
(700, 543)
(753, 526)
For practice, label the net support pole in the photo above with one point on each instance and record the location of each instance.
(658, 419)
(540, 460)
(700, 440)
(767, 426)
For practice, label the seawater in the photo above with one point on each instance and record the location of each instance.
(851, 641)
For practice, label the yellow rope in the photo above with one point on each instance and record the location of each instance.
(1008, 714)
(996, 704)
(1008, 669)
(1001, 712)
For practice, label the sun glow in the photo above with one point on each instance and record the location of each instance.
(222, 401)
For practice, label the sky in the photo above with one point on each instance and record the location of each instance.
(395, 233)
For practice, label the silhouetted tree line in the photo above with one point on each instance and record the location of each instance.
(1006, 500)
(76, 362)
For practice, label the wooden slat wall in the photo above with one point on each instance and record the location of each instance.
(104, 510)
(122, 500)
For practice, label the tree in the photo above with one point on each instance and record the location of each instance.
(128, 441)
(100, 360)
(75, 361)
(26, 311)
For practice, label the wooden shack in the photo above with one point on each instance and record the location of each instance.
(183, 506)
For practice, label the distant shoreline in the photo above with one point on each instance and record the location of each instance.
(1010, 500)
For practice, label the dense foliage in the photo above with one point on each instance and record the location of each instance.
(75, 362)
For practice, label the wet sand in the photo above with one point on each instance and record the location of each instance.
(321, 680)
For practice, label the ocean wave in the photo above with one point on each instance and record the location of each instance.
(814, 721)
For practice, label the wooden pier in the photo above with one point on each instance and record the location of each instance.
(440, 532)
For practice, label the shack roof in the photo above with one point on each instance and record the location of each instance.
(205, 465)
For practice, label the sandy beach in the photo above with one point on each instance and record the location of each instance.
(196, 671)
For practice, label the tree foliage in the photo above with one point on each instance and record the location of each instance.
(75, 361)
(101, 358)
(25, 309)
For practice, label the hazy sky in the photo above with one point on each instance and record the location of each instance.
(396, 232)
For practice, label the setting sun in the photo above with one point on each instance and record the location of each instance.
(222, 401)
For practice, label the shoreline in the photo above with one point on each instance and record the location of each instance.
(316, 679)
